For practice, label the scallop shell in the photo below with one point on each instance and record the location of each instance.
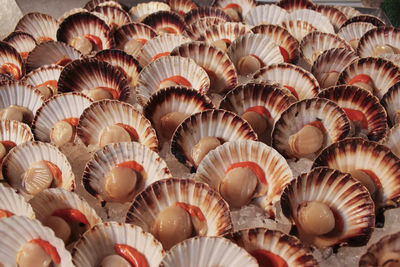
(244, 5)
(298, 28)
(141, 10)
(23, 42)
(222, 124)
(214, 166)
(87, 74)
(160, 45)
(115, 17)
(335, 16)
(392, 140)
(202, 12)
(365, 18)
(383, 73)
(19, 159)
(71, 12)
(194, 30)
(14, 203)
(266, 14)
(301, 113)
(352, 97)
(378, 36)
(282, 38)
(348, 11)
(165, 193)
(174, 99)
(219, 251)
(331, 62)
(103, 113)
(42, 27)
(224, 31)
(347, 199)
(99, 242)
(165, 21)
(354, 31)
(181, 6)
(92, 4)
(8, 54)
(166, 67)
(57, 108)
(43, 74)
(16, 231)
(317, 20)
(382, 252)
(51, 53)
(359, 154)
(391, 102)
(293, 5)
(288, 248)
(223, 76)
(15, 131)
(107, 158)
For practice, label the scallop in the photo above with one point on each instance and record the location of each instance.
(13, 133)
(23, 42)
(266, 14)
(379, 41)
(42, 27)
(11, 63)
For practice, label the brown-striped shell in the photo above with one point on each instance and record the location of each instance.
(391, 102)
(388, 37)
(235, 9)
(13, 133)
(22, 41)
(165, 22)
(382, 253)
(92, 4)
(336, 17)
(45, 79)
(354, 31)
(365, 18)
(42, 27)
(182, 6)
(316, 19)
(142, 10)
(227, 31)
(348, 11)
(202, 12)
(11, 63)
(114, 16)
(291, 5)
(194, 30)
(265, 14)
(392, 140)
(298, 28)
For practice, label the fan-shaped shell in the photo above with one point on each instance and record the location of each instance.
(46, 73)
(265, 14)
(194, 30)
(298, 28)
(335, 16)
(23, 42)
(348, 11)
(42, 27)
(391, 102)
(382, 252)
(202, 12)
(365, 18)
(181, 6)
(165, 22)
(387, 36)
(142, 10)
(243, 7)
(227, 31)
(115, 17)
(10, 59)
(316, 19)
(12, 202)
(354, 31)
(293, 5)
(15, 131)
(91, 4)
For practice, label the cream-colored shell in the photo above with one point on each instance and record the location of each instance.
(354, 31)
(298, 28)
(15, 131)
(317, 20)
(43, 74)
(15, 203)
(266, 14)
(392, 140)
(378, 36)
(141, 10)
(38, 25)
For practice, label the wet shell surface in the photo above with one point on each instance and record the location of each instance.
(141, 10)
(115, 17)
(23, 42)
(11, 63)
(20, 159)
(17, 231)
(293, 5)
(352, 155)
(346, 209)
(162, 194)
(166, 68)
(328, 66)
(45, 74)
(95, 119)
(392, 140)
(365, 18)
(298, 28)
(105, 160)
(298, 81)
(266, 14)
(384, 252)
(235, 9)
(12, 202)
(220, 124)
(316, 19)
(336, 126)
(165, 22)
(195, 249)
(194, 30)
(88, 75)
(182, 6)
(354, 31)
(51, 53)
(214, 61)
(391, 102)
(348, 11)
(42, 27)
(100, 241)
(15, 131)
(335, 16)
(379, 41)
(202, 12)
(276, 174)
(288, 248)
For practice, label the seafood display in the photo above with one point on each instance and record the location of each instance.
(168, 134)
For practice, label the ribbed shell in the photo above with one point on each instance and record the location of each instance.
(377, 254)
(348, 11)
(347, 198)
(222, 124)
(287, 247)
(57, 108)
(333, 118)
(211, 59)
(365, 18)
(332, 61)
(214, 166)
(244, 5)
(383, 73)
(317, 20)
(141, 10)
(87, 74)
(105, 159)
(16, 231)
(303, 82)
(335, 16)
(71, 12)
(91, 4)
(19, 159)
(165, 20)
(99, 242)
(359, 154)
(207, 251)
(391, 102)
(181, 6)
(227, 30)
(265, 14)
(395, 58)
(15, 203)
(15, 131)
(166, 67)
(202, 12)
(165, 193)
(23, 42)
(354, 31)
(115, 17)
(39, 26)
(101, 114)
(378, 36)
(392, 140)
(298, 28)
(292, 5)
(8, 54)
(43, 74)
(194, 30)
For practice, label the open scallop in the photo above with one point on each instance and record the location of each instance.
(204, 131)
(71, 12)
(42, 27)
(272, 248)
(115, 17)
(245, 172)
(142, 10)
(13, 204)
(68, 215)
(13, 133)
(392, 140)
(215, 62)
(11, 63)
(32, 167)
(95, 79)
(181, 6)
(298, 28)
(85, 32)
(26, 242)
(235, 9)
(171, 71)
(56, 120)
(376, 75)
(167, 108)
(19, 101)
(316, 19)
(365, 18)
(203, 12)
(92, 4)
(194, 30)
(329, 208)
(112, 121)
(328, 66)
(293, 5)
(335, 16)
(265, 14)
(119, 171)
(378, 41)
(251, 51)
(174, 210)
(208, 251)
(308, 126)
(117, 243)
(391, 102)
(382, 253)
(348, 11)
(165, 22)
(353, 32)
(374, 165)
(366, 114)
(23, 42)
